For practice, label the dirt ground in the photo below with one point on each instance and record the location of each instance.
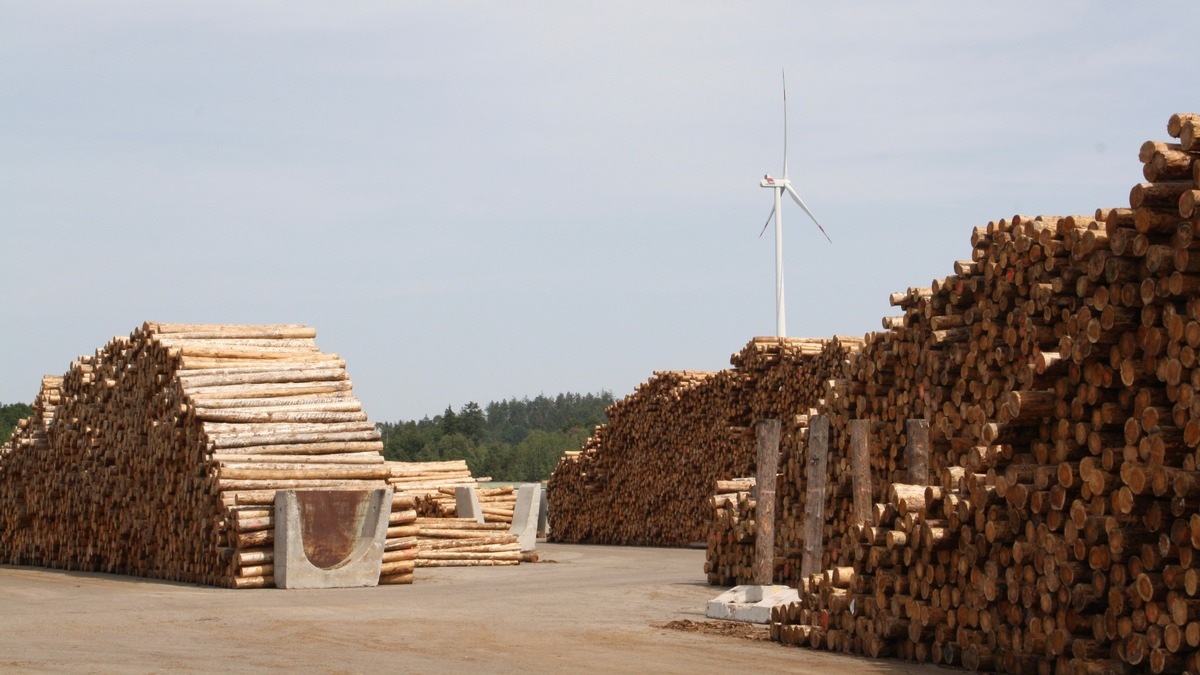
(582, 609)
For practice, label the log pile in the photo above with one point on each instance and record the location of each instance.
(730, 555)
(432, 534)
(30, 434)
(783, 379)
(426, 478)
(888, 600)
(432, 485)
(644, 477)
(497, 503)
(160, 454)
(400, 548)
(825, 381)
(463, 542)
(1057, 527)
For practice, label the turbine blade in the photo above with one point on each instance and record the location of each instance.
(784, 74)
(810, 213)
(769, 217)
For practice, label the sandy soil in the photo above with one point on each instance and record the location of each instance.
(583, 609)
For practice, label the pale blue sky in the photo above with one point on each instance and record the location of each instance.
(475, 201)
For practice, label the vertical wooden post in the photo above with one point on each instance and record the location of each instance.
(764, 518)
(814, 523)
(860, 470)
(917, 452)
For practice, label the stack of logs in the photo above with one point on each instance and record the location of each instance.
(434, 535)
(400, 548)
(160, 454)
(730, 557)
(463, 542)
(646, 476)
(426, 478)
(497, 504)
(1057, 527)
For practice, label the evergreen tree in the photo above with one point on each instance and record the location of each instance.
(10, 414)
(513, 440)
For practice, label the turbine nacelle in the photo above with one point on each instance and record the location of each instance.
(769, 182)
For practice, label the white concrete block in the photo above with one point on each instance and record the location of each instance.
(750, 603)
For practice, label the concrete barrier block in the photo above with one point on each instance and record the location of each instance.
(330, 538)
(525, 515)
(543, 528)
(466, 503)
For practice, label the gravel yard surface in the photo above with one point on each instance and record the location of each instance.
(582, 609)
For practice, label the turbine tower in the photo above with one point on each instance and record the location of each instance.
(781, 185)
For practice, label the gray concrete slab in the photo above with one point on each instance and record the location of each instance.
(751, 603)
(466, 503)
(525, 515)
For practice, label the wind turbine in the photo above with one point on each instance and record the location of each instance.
(781, 185)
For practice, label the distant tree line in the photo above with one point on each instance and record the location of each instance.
(10, 413)
(513, 440)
